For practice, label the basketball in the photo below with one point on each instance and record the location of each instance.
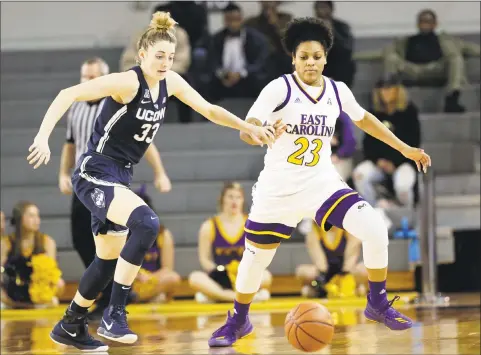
(309, 327)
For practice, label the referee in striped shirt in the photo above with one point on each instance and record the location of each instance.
(80, 123)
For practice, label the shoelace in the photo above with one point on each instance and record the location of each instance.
(228, 325)
(120, 315)
(389, 304)
(396, 298)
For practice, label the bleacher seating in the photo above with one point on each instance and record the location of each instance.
(200, 156)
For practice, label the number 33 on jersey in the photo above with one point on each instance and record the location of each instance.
(124, 131)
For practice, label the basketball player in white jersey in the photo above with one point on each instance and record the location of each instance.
(299, 181)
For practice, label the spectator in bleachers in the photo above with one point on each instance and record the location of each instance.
(391, 105)
(336, 270)
(340, 64)
(157, 280)
(191, 16)
(237, 56)
(221, 245)
(271, 23)
(181, 63)
(429, 58)
(30, 276)
(81, 118)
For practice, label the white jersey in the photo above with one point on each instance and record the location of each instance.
(302, 155)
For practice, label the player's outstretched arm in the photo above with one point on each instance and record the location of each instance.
(372, 126)
(270, 97)
(178, 87)
(121, 86)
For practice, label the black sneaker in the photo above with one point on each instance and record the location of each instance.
(73, 330)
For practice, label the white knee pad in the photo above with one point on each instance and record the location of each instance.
(366, 224)
(251, 268)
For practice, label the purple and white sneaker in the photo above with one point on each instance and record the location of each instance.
(230, 332)
(113, 326)
(386, 314)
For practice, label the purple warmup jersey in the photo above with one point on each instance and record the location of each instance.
(334, 249)
(226, 248)
(124, 132)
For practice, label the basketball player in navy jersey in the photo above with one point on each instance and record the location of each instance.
(132, 114)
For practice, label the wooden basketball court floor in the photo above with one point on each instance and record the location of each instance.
(183, 327)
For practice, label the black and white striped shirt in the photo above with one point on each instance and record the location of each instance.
(80, 123)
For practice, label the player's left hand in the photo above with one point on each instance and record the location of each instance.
(162, 183)
(422, 159)
(39, 152)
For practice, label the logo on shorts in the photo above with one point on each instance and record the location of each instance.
(98, 196)
(361, 206)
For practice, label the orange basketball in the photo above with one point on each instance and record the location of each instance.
(309, 327)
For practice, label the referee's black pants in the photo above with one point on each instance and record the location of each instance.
(83, 240)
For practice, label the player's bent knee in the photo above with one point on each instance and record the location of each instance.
(124, 203)
(366, 224)
(251, 268)
(144, 226)
(171, 279)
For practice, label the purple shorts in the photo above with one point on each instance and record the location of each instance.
(331, 213)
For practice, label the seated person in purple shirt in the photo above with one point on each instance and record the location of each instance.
(336, 269)
(221, 245)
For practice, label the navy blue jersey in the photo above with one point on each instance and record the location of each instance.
(124, 132)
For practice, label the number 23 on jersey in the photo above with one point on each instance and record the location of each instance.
(297, 158)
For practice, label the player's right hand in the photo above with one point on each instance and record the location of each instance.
(39, 152)
(279, 127)
(263, 135)
(65, 184)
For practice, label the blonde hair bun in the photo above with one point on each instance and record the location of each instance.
(161, 21)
